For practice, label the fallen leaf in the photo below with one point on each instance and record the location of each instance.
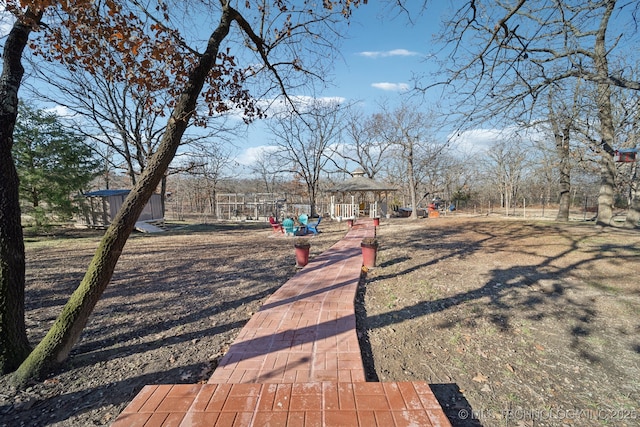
(510, 368)
(479, 378)
(539, 347)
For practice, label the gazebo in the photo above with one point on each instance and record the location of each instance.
(359, 196)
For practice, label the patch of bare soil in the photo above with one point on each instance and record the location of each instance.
(514, 323)
(175, 303)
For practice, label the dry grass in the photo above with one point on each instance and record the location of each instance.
(512, 319)
(175, 303)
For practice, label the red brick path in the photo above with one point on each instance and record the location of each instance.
(295, 363)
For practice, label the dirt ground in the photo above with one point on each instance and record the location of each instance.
(514, 323)
(176, 302)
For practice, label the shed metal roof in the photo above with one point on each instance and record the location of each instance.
(106, 193)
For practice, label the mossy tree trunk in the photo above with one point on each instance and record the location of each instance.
(66, 330)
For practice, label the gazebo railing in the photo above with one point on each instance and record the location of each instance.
(344, 210)
(352, 210)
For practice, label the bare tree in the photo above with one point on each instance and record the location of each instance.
(563, 118)
(269, 168)
(304, 140)
(364, 144)
(627, 116)
(152, 48)
(443, 174)
(212, 164)
(123, 122)
(519, 50)
(109, 113)
(408, 131)
(506, 168)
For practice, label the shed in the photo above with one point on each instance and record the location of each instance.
(100, 207)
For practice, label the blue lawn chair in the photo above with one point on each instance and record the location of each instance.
(313, 226)
(302, 228)
(289, 227)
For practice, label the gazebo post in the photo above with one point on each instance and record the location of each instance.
(332, 208)
(355, 210)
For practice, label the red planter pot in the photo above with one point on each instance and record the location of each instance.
(302, 255)
(369, 253)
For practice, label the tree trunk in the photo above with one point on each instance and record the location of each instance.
(14, 345)
(633, 213)
(128, 158)
(163, 194)
(607, 131)
(312, 201)
(412, 182)
(564, 172)
(561, 126)
(607, 185)
(64, 333)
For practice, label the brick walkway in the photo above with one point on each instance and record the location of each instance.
(295, 363)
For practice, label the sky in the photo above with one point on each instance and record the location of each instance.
(379, 55)
(382, 51)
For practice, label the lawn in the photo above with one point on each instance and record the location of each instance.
(514, 322)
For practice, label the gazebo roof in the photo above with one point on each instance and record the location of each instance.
(359, 182)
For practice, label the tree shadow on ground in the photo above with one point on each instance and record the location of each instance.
(455, 406)
(550, 284)
(88, 399)
(172, 307)
(504, 285)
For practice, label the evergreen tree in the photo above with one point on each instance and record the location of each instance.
(53, 163)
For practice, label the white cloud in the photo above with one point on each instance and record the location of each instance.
(388, 53)
(395, 87)
(61, 111)
(274, 107)
(477, 140)
(250, 154)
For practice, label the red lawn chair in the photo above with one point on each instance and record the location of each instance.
(276, 225)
